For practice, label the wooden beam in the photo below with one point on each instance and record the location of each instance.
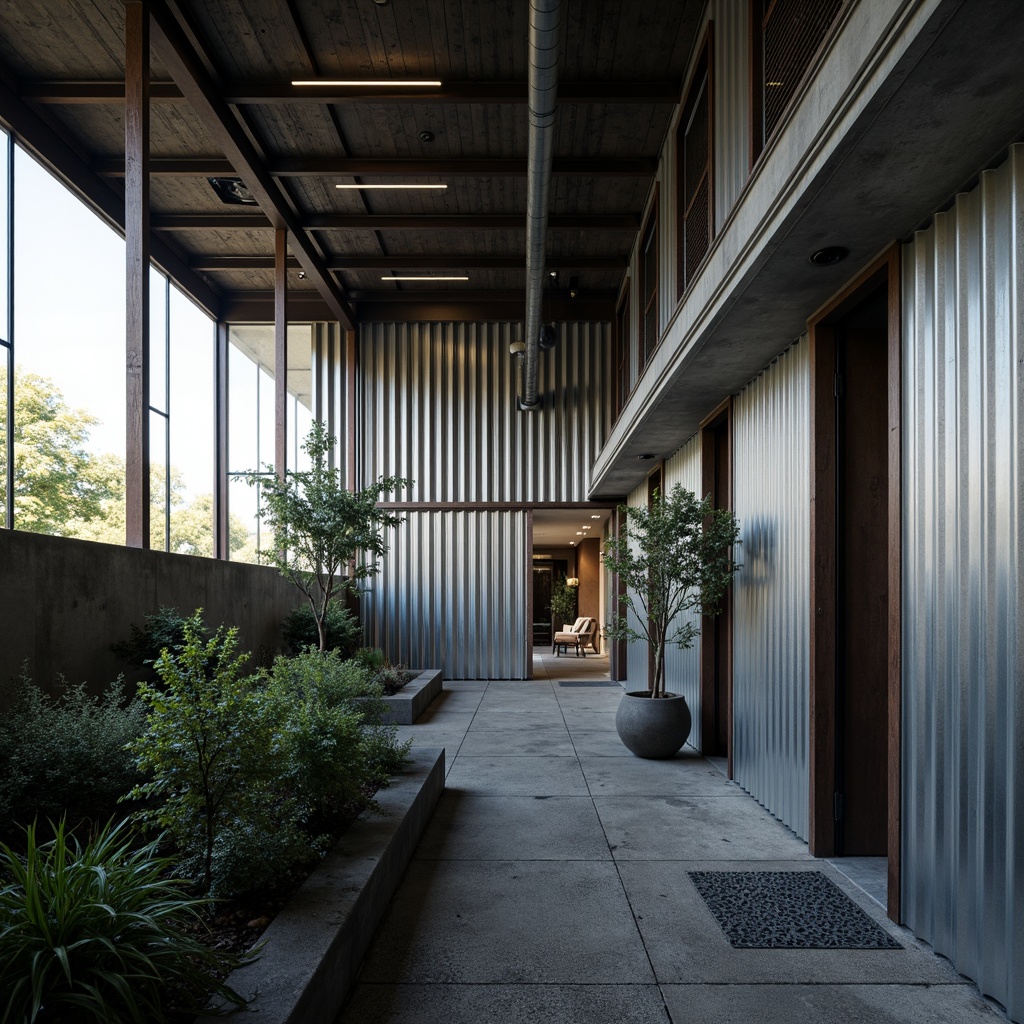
(247, 221)
(341, 263)
(281, 352)
(241, 93)
(188, 70)
(69, 166)
(331, 167)
(420, 294)
(136, 221)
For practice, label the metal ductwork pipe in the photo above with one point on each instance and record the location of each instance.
(543, 98)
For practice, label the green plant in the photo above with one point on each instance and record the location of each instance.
(163, 629)
(212, 753)
(65, 755)
(674, 557)
(97, 933)
(371, 659)
(319, 527)
(342, 630)
(563, 601)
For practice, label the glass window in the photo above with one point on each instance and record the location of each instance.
(69, 375)
(6, 353)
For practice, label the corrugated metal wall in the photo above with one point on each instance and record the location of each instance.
(731, 98)
(452, 594)
(963, 705)
(636, 654)
(438, 405)
(771, 639)
(682, 668)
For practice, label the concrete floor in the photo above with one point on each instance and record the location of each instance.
(551, 885)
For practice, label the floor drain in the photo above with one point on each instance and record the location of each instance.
(787, 910)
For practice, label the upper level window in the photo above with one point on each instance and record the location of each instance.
(620, 354)
(696, 225)
(787, 37)
(648, 265)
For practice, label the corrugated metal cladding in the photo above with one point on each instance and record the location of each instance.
(452, 595)
(682, 668)
(330, 393)
(636, 654)
(771, 639)
(438, 406)
(731, 103)
(963, 678)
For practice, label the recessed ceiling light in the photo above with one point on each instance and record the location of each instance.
(595, 517)
(829, 256)
(579, 533)
(371, 83)
(646, 457)
(425, 277)
(588, 527)
(404, 185)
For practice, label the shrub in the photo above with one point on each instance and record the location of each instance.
(370, 658)
(213, 754)
(165, 629)
(96, 933)
(344, 633)
(65, 755)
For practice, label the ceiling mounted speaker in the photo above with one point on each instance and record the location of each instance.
(547, 337)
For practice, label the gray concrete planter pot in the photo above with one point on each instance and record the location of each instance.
(404, 707)
(653, 728)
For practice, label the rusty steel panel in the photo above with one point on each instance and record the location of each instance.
(963, 681)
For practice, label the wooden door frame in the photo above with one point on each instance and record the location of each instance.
(884, 271)
(721, 414)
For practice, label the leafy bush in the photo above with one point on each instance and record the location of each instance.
(65, 755)
(164, 629)
(370, 658)
(390, 678)
(344, 633)
(212, 753)
(97, 934)
(248, 773)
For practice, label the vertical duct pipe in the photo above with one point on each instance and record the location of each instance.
(543, 96)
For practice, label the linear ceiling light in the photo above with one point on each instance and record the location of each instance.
(423, 277)
(406, 185)
(376, 83)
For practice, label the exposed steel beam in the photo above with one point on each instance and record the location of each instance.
(336, 263)
(246, 220)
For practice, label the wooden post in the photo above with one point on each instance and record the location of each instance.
(221, 529)
(136, 222)
(281, 352)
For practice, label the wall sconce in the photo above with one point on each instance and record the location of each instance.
(572, 581)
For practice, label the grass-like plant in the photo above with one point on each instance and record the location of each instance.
(97, 933)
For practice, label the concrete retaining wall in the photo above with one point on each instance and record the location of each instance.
(63, 602)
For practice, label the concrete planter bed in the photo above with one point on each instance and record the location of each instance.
(412, 699)
(314, 947)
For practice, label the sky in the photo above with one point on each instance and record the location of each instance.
(70, 323)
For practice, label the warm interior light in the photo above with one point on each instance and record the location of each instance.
(424, 277)
(595, 517)
(396, 185)
(376, 83)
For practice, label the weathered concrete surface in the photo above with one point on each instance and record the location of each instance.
(315, 945)
(414, 698)
(63, 602)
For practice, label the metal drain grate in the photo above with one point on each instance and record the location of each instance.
(586, 682)
(787, 910)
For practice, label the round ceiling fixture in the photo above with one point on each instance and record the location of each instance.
(425, 136)
(829, 256)
(646, 457)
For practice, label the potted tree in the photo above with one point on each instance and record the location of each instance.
(675, 559)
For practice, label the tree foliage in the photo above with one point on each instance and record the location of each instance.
(675, 559)
(322, 531)
(58, 482)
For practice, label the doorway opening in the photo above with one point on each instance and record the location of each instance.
(855, 582)
(716, 632)
(548, 572)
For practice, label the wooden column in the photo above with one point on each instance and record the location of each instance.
(351, 369)
(221, 530)
(280, 352)
(136, 224)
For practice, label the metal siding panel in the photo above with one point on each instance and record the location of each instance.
(636, 654)
(682, 668)
(452, 594)
(771, 639)
(731, 100)
(963, 708)
(439, 402)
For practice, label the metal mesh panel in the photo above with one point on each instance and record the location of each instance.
(698, 229)
(791, 33)
(695, 182)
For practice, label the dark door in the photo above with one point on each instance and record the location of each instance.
(862, 584)
(545, 572)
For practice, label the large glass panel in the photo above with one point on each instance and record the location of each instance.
(161, 487)
(300, 393)
(69, 374)
(6, 356)
(158, 355)
(192, 429)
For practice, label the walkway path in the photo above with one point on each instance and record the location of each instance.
(552, 885)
